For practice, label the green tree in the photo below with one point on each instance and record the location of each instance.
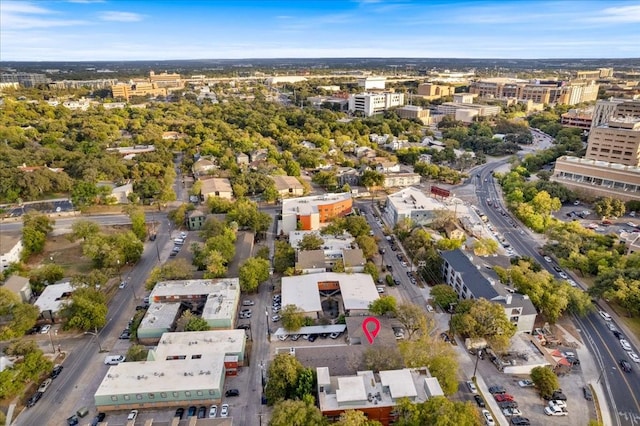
(357, 226)
(216, 265)
(137, 353)
(35, 228)
(310, 241)
(83, 229)
(282, 378)
(413, 320)
(444, 295)
(172, 270)
(371, 269)
(84, 193)
(485, 247)
(484, 319)
(297, 413)
(87, 310)
(197, 324)
(368, 245)
(284, 256)
(355, 418)
(545, 380)
(371, 178)
(138, 221)
(292, 318)
(253, 272)
(223, 244)
(449, 244)
(45, 275)
(437, 411)
(18, 317)
(383, 305)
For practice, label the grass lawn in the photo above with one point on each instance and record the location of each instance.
(64, 253)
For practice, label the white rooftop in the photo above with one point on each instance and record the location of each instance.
(358, 290)
(399, 382)
(180, 288)
(163, 376)
(351, 389)
(411, 198)
(51, 297)
(160, 315)
(309, 205)
(330, 241)
(205, 343)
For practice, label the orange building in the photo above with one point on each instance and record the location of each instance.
(308, 213)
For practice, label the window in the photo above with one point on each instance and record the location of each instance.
(199, 393)
(175, 394)
(114, 398)
(211, 392)
(187, 393)
(126, 398)
(138, 396)
(196, 356)
(152, 396)
(163, 394)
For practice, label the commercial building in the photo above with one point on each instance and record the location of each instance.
(216, 187)
(315, 261)
(413, 112)
(25, 79)
(376, 395)
(372, 83)
(127, 90)
(288, 186)
(217, 299)
(102, 83)
(600, 73)
(432, 91)
(579, 118)
(618, 141)
(10, 249)
(466, 112)
(184, 369)
(374, 103)
(356, 291)
(544, 92)
(411, 203)
(469, 283)
(310, 212)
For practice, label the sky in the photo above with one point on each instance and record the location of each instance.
(80, 30)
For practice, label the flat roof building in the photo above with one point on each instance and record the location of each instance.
(311, 212)
(411, 203)
(374, 103)
(20, 286)
(304, 291)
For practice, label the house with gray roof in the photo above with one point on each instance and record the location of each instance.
(469, 282)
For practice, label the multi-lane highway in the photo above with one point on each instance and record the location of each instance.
(622, 390)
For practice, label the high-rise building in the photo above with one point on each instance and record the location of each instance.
(374, 103)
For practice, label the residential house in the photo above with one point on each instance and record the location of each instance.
(242, 159)
(258, 155)
(53, 299)
(465, 278)
(288, 186)
(10, 249)
(365, 152)
(308, 145)
(400, 180)
(216, 187)
(121, 193)
(347, 176)
(20, 286)
(195, 219)
(387, 167)
(203, 166)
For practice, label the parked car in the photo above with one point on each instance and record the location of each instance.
(586, 392)
(525, 383)
(625, 345)
(98, 419)
(202, 412)
(123, 284)
(555, 411)
(503, 397)
(57, 369)
(313, 337)
(248, 302)
(488, 418)
(507, 404)
(479, 401)
(34, 399)
(472, 387)
(192, 411)
(213, 411)
(605, 315)
(125, 335)
(520, 421)
(275, 318)
(45, 329)
(634, 357)
(335, 335)
(232, 392)
(133, 414)
(510, 412)
(496, 389)
(224, 410)
(625, 365)
(45, 385)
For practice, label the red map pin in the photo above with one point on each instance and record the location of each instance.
(371, 332)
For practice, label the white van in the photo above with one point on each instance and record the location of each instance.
(114, 359)
(178, 241)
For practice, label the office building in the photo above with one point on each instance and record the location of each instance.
(538, 91)
(128, 90)
(579, 118)
(372, 83)
(25, 79)
(431, 91)
(413, 112)
(618, 141)
(309, 213)
(374, 103)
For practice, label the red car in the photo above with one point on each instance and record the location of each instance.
(504, 397)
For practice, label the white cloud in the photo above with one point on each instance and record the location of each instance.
(21, 16)
(622, 14)
(22, 7)
(121, 16)
(85, 1)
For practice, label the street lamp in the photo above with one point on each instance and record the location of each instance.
(266, 312)
(96, 336)
(119, 271)
(478, 353)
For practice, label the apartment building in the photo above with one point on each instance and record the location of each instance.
(595, 74)
(288, 186)
(374, 103)
(308, 213)
(539, 91)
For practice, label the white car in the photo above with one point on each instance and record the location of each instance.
(572, 283)
(557, 403)
(625, 345)
(380, 289)
(132, 415)
(283, 337)
(555, 411)
(488, 418)
(510, 412)
(547, 259)
(213, 411)
(563, 275)
(123, 284)
(611, 326)
(472, 387)
(634, 357)
(45, 329)
(605, 315)
(224, 410)
(429, 308)
(525, 384)
(275, 318)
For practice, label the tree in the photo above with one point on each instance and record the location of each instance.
(34, 233)
(18, 317)
(137, 353)
(383, 305)
(284, 256)
(310, 241)
(436, 411)
(485, 319)
(371, 269)
(609, 207)
(216, 265)
(45, 275)
(87, 310)
(355, 418)
(252, 273)
(444, 295)
(485, 247)
(84, 193)
(357, 226)
(197, 324)
(297, 413)
(172, 270)
(382, 358)
(138, 222)
(368, 245)
(292, 318)
(545, 380)
(282, 378)
(83, 229)
(413, 319)
(371, 178)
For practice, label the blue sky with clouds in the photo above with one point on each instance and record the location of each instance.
(78, 30)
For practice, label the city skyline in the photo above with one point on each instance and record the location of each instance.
(78, 30)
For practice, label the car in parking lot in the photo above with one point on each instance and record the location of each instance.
(520, 421)
(179, 413)
(510, 412)
(507, 404)
(479, 401)
(224, 410)
(503, 397)
(213, 411)
(313, 337)
(586, 392)
(625, 365)
(275, 318)
(525, 384)
(557, 395)
(380, 289)
(133, 414)
(192, 411)
(496, 389)
(555, 411)
(202, 412)
(488, 418)
(98, 419)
